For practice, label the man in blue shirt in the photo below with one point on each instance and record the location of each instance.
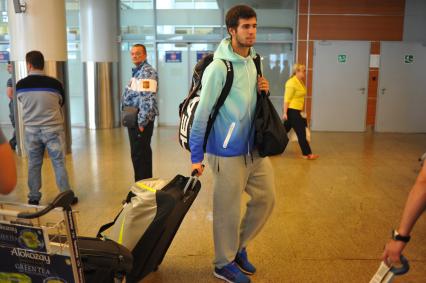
(42, 98)
(141, 92)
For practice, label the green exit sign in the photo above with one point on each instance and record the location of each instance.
(409, 59)
(342, 58)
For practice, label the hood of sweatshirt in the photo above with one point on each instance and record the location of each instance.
(226, 52)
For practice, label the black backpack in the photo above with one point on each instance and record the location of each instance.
(188, 107)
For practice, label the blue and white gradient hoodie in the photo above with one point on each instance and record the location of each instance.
(141, 92)
(231, 134)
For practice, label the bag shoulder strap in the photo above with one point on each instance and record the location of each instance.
(110, 224)
(256, 61)
(221, 100)
(107, 225)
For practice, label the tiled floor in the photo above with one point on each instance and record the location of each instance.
(330, 223)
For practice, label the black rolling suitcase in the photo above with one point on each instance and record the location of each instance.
(176, 188)
(152, 216)
(104, 260)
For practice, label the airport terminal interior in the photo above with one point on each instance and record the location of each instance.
(365, 108)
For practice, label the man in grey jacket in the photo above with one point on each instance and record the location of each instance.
(42, 98)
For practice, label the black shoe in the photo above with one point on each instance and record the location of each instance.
(74, 201)
(33, 202)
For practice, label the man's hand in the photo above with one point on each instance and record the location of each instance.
(285, 117)
(262, 84)
(393, 251)
(199, 167)
(141, 128)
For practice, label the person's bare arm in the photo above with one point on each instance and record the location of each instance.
(416, 204)
(7, 169)
(414, 207)
(9, 92)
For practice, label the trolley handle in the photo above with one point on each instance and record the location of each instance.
(63, 200)
(404, 268)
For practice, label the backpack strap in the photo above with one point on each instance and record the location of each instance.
(221, 100)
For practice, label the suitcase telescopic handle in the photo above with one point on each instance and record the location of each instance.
(194, 172)
(63, 200)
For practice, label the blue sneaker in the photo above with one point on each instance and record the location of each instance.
(231, 273)
(243, 263)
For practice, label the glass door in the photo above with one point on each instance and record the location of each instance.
(176, 62)
(277, 61)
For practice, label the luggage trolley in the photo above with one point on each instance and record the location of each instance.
(39, 244)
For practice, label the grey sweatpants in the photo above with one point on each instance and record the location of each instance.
(231, 177)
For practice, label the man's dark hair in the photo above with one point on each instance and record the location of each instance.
(236, 13)
(36, 59)
(141, 46)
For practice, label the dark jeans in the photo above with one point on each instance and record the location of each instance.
(140, 147)
(298, 123)
(12, 141)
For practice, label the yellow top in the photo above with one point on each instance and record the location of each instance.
(295, 93)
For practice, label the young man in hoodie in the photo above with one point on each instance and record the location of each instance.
(231, 155)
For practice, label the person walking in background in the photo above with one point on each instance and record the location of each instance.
(7, 167)
(294, 102)
(414, 207)
(235, 164)
(141, 93)
(9, 92)
(42, 98)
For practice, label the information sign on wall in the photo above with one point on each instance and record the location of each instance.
(201, 54)
(4, 56)
(173, 56)
(409, 59)
(342, 58)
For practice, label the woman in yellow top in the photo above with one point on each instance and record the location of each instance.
(294, 102)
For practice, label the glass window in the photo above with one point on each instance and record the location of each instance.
(75, 67)
(137, 20)
(277, 60)
(187, 4)
(4, 74)
(189, 20)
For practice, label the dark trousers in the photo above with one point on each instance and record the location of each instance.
(140, 147)
(12, 141)
(298, 123)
